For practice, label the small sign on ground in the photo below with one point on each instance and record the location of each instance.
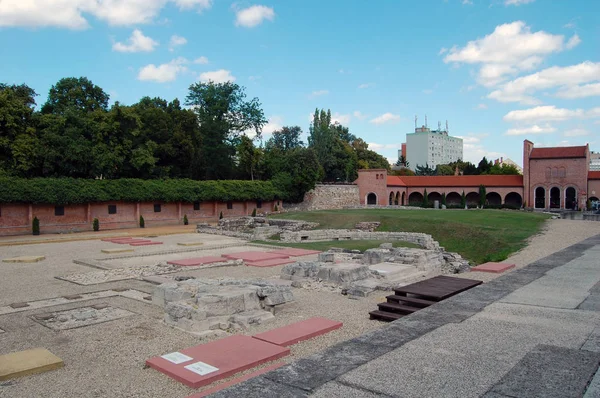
(495, 268)
(28, 362)
(24, 259)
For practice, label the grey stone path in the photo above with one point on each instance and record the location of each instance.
(534, 332)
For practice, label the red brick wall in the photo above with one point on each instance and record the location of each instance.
(375, 181)
(593, 189)
(560, 173)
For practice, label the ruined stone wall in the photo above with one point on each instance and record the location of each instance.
(325, 197)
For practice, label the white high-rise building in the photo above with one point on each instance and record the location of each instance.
(594, 161)
(432, 147)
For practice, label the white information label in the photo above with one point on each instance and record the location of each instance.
(176, 357)
(201, 368)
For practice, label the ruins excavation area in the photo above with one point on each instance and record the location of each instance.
(105, 314)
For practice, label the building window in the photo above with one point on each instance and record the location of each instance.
(196, 205)
(157, 208)
(229, 205)
(59, 210)
(112, 209)
(259, 204)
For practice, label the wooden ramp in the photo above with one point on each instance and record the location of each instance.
(413, 297)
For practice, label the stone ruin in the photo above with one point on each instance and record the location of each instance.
(254, 228)
(360, 274)
(206, 306)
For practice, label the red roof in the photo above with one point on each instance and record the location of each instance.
(592, 175)
(456, 181)
(559, 152)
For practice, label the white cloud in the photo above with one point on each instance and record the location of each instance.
(443, 50)
(365, 85)
(543, 113)
(71, 14)
(468, 2)
(201, 60)
(573, 42)
(253, 16)
(474, 149)
(359, 115)
(319, 93)
(482, 106)
(517, 2)
(386, 118)
(137, 42)
(535, 129)
(217, 76)
(509, 49)
(568, 77)
(176, 41)
(378, 147)
(576, 133)
(341, 119)
(163, 73)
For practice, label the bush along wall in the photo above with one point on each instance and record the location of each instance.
(65, 191)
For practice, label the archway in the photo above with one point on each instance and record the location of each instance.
(493, 199)
(391, 198)
(433, 196)
(593, 199)
(540, 198)
(513, 199)
(403, 198)
(397, 198)
(415, 199)
(453, 199)
(472, 198)
(371, 198)
(570, 198)
(555, 198)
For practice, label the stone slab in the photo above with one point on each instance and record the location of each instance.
(254, 256)
(293, 252)
(24, 259)
(116, 238)
(189, 262)
(229, 356)
(260, 387)
(145, 243)
(237, 380)
(299, 331)
(270, 263)
(28, 362)
(117, 250)
(190, 243)
(550, 372)
(80, 317)
(494, 268)
(334, 389)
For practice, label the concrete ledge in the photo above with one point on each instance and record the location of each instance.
(117, 250)
(24, 259)
(25, 363)
(190, 243)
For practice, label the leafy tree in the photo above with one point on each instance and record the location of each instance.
(248, 157)
(504, 169)
(484, 166)
(402, 162)
(75, 95)
(444, 170)
(287, 138)
(402, 172)
(424, 170)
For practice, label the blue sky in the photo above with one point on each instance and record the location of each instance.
(499, 71)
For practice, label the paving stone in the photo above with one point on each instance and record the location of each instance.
(260, 387)
(73, 297)
(492, 267)
(299, 331)
(24, 259)
(190, 243)
(18, 305)
(593, 341)
(550, 372)
(334, 389)
(188, 262)
(117, 250)
(28, 362)
(593, 390)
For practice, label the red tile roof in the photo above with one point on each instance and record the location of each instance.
(559, 152)
(593, 175)
(456, 181)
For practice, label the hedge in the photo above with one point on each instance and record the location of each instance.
(63, 191)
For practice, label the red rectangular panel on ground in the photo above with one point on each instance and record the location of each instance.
(254, 256)
(495, 268)
(299, 331)
(237, 380)
(270, 263)
(197, 261)
(145, 243)
(295, 252)
(216, 360)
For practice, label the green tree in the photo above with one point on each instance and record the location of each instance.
(482, 195)
(484, 166)
(424, 170)
(75, 94)
(425, 199)
(288, 137)
(248, 157)
(223, 113)
(463, 200)
(402, 162)
(444, 170)
(444, 198)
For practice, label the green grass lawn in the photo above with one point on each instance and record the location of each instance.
(361, 245)
(478, 235)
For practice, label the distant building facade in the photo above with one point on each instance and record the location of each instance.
(594, 161)
(432, 147)
(508, 162)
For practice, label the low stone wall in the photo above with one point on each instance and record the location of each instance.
(326, 197)
(423, 240)
(577, 215)
(253, 228)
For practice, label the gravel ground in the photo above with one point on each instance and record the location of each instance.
(107, 360)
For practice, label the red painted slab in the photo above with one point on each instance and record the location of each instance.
(495, 268)
(197, 261)
(292, 252)
(270, 263)
(299, 331)
(254, 256)
(229, 355)
(145, 243)
(237, 380)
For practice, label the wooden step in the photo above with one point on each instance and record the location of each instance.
(397, 308)
(385, 316)
(415, 302)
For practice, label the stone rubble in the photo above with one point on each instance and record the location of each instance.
(253, 228)
(202, 305)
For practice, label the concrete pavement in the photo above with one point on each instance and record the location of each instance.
(534, 332)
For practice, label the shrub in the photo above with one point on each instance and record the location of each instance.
(275, 208)
(35, 226)
(254, 212)
(221, 215)
(425, 199)
(185, 220)
(96, 225)
(482, 195)
(142, 222)
(444, 199)
(463, 200)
